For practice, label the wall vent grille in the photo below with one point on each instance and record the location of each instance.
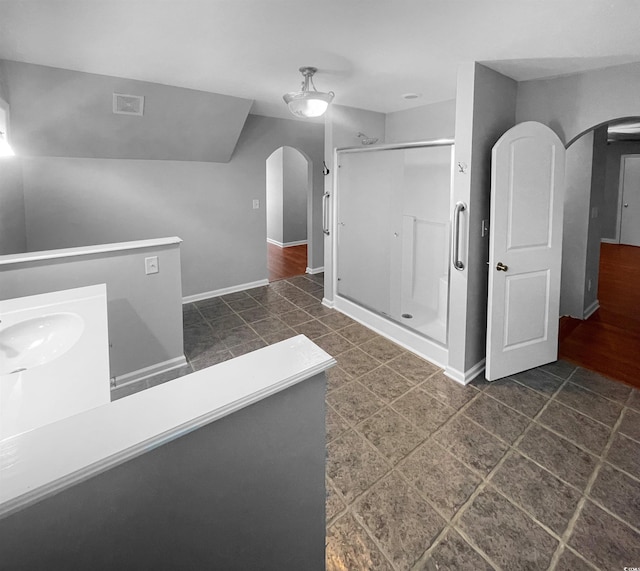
(128, 104)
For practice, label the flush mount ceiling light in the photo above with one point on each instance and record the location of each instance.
(308, 103)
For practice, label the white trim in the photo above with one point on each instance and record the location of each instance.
(620, 192)
(146, 372)
(312, 271)
(87, 250)
(328, 303)
(589, 311)
(609, 241)
(465, 377)
(286, 244)
(52, 458)
(414, 342)
(224, 291)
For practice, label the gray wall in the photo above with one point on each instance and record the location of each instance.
(63, 113)
(573, 104)
(245, 492)
(274, 196)
(578, 175)
(4, 87)
(583, 203)
(144, 311)
(485, 109)
(76, 201)
(434, 121)
(609, 214)
(294, 196)
(13, 230)
(594, 235)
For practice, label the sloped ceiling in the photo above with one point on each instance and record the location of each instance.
(370, 52)
(63, 113)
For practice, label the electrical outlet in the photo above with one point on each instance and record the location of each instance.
(256, 204)
(151, 265)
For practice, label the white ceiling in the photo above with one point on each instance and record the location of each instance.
(369, 52)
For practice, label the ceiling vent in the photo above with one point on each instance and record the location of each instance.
(128, 104)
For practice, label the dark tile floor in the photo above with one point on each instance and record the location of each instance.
(538, 471)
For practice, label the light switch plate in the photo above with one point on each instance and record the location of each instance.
(151, 265)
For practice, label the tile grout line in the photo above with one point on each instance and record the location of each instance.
(394, 467)
(453, 523)
(487, 480)
(585, 495)
(373, 538)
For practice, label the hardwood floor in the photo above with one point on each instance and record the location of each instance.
(286, 262)
(609, 341)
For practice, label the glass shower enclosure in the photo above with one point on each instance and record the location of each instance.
(393, 233)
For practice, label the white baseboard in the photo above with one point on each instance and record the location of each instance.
(328, 303)
(287, 244)
(224, 291)
(146, 372)
(609, 240)
(315, 270)
(465, 377)
(589, 311)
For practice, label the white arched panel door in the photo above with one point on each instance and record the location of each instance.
(527, 193)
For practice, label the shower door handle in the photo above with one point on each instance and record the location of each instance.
(458, 264)
(325, 224)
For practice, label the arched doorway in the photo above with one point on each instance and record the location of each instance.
(288, 179)
(600, 299)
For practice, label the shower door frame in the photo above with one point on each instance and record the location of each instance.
(396, 332)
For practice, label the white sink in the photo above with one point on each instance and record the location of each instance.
(34, 342)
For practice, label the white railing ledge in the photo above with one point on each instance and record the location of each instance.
(42, 462)
(86, 250)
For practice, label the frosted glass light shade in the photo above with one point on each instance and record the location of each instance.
(308, 103)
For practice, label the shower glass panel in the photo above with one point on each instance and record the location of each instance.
(393, 234)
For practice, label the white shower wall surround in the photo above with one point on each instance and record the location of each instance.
(391, 237)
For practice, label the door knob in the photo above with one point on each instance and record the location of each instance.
(626, 205)
(501, 267)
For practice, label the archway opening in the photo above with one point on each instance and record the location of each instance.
(600, 302)
(288, 179)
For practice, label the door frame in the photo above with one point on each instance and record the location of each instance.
(623, 158)
(309, 199)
